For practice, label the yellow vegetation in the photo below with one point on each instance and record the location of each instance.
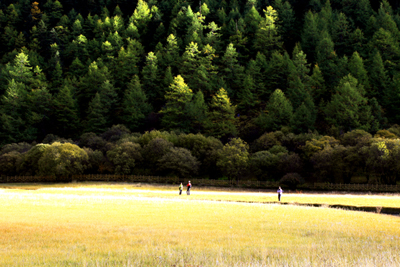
(98, 226)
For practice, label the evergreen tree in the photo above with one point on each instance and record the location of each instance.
(267, 37)
(141, 17)
(341, 35)
(378, 78)
(348, 108)
(357, 70)
(135, 107)
(317, 86)
(310, 35)
(151, 80)
(286, 23)
(174, 112)
(302, 119)
(171, 56)
(96, 120)
(327, 60)
(66, 114)
(197, 111)
(278, 112)
(109, 99)
(57, 78)
(221, 122)
(388, 47)
(90, 84)
(232, 71)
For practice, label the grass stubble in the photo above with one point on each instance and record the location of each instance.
(96, 227)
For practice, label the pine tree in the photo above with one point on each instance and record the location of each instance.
(76, 68)
(286, 23)
(96, 121)
(57, 78)
(246, 97)
(221, 116)
(232, 71)
(197, 111)
(109, 98)
(388, 47)
(310, 35)
(66, 115)
(171, 56)
(90, 84)
(135, 107)
(141, 17)
(151, 80)
(302, 119)
(357, 70)
(276, 74)
(327, 60)
(267, 38)
(174, 112)
(278, 112)
(341, 35)
(378, 78)
(348, 108)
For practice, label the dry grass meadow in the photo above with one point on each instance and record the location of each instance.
(144, 225)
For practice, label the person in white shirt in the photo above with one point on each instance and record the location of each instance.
(280, 191)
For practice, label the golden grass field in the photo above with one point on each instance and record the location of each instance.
(143, 225)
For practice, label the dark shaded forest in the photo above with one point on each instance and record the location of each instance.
(282, 85)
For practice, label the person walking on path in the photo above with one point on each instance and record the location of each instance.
(180, 189)
(280, 191)
(189, 185)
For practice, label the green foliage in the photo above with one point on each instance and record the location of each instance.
(125, 157)
(62, 160)
(135, 107)
(174, 113)
(221, 116)
(180, 162)
(29, 162)
(279, 111)
(69, 67)
(233, 158)
(349, 108)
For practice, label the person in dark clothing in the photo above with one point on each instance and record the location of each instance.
(189, 185)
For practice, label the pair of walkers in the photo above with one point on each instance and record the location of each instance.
(189, 185)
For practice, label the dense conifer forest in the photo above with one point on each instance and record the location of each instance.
(281, 89)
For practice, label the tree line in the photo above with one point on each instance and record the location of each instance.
(224, 69)
(275, 156)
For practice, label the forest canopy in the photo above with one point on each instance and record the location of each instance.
(230, 70)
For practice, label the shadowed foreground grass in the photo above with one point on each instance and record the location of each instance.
(99, 227)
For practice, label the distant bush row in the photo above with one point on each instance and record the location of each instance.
(275, 156)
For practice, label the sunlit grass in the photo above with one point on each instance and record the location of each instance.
(98, 226)
(217, 194)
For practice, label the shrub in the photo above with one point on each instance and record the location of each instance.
(385, 134)
(155, 150)
(63, 159)
(8, 162)
(29, 162)
(265, 142)
(124, 157)
(179, 161)
(115, 133)
(18, 147)
(91, 140)
(148, 136)
(292, 180)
